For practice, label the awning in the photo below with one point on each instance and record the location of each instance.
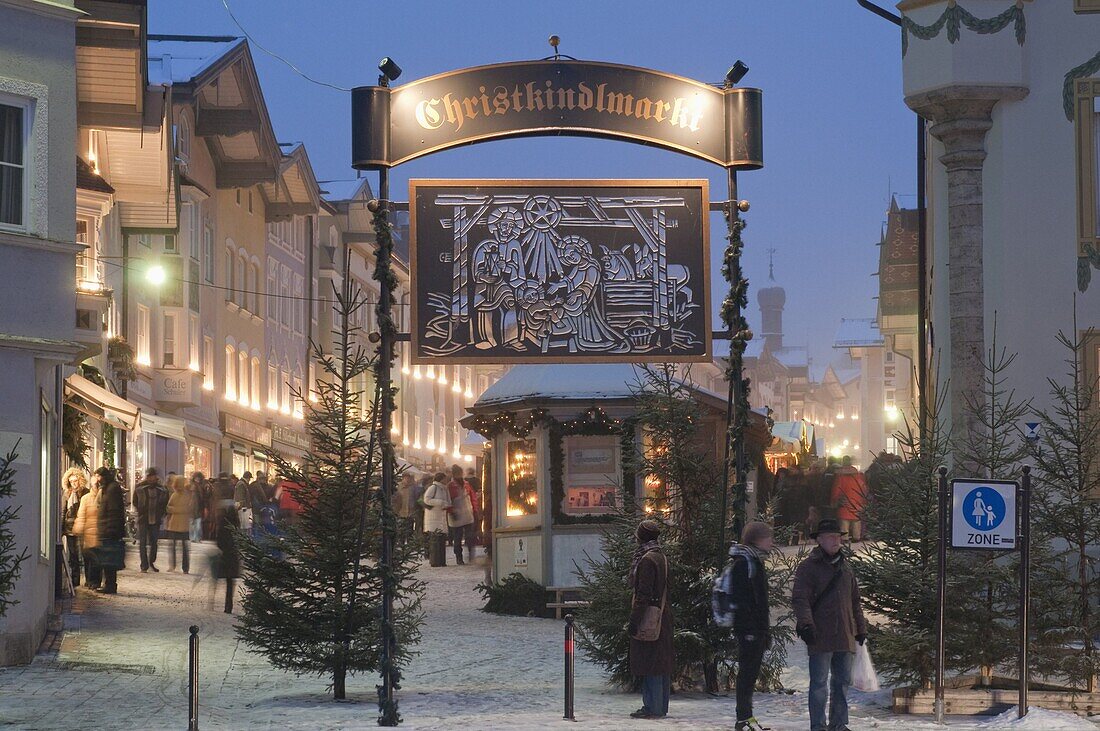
(164, 426)
(99, 403)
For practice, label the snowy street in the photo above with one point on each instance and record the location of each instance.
(122, 664)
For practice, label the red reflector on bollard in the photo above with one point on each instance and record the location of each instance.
(569, 646)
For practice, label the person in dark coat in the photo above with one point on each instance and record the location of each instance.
(751, 619)
(652, 661)
(829, 619)
(112, 529)
(150, 505)
(229, 561)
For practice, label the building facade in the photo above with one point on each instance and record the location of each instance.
(1012, 190)
(38, 105)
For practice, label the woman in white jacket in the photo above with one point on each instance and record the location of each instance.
(437, 501)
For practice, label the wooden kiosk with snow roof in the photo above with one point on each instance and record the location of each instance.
(556, 436)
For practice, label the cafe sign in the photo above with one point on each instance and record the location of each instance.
(177, 386)
(553, 97)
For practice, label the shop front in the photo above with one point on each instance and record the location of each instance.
(289, 443)
(246, 445)
(161, 442)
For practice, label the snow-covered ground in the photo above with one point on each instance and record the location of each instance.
(122, 664)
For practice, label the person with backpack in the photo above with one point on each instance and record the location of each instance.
(829, 619)
(652, 654)
(740, 601)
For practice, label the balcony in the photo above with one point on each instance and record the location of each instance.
(91, 319)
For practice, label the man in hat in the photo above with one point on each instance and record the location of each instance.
(653, 660)
(829, 619)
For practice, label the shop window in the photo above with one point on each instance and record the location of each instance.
(1087, 123)
(591, 475)
(522, 478)
(14, 143)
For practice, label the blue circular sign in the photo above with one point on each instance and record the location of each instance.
(983, 508)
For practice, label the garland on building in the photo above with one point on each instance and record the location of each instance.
(594, 421)
(121, 357)
(954, 16)
(733, 309)
(387, 283)
(1088, 68)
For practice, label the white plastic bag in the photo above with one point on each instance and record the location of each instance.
(864, 677)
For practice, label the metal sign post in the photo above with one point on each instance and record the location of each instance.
(986, 515)
(1025, 584)
(941, 592)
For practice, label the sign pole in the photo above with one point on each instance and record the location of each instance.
(731, 397)
(941, 594)
(1025, 584)
(385, 353)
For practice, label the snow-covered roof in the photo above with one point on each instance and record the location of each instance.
(793, 356)
(342, 190)
(860, 332)
(179, 59)
(562, 382)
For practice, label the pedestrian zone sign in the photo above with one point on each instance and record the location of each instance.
(983, 514)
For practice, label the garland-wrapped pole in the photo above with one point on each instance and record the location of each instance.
(391, 675)
(737, 328)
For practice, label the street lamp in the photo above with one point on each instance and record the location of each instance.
(156, 275)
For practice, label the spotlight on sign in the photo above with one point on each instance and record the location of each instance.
(736, 73)
(391, 70)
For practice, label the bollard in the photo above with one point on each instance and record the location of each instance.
(569, 668)
(193, 680)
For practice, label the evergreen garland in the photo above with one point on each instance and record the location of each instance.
(391, 575)
(733, 309)
(954, 15)
(11, 561)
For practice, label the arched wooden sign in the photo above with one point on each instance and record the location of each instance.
(555, 97)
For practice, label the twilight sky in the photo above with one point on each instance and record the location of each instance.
(837, 137)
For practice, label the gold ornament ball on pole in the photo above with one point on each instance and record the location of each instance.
(743, 206)
(554, 41)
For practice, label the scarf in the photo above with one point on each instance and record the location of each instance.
(749, 552)
(640, 551)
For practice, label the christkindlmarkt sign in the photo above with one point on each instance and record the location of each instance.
(394, 125)
(581, 270)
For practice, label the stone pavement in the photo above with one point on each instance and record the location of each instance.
(122, 664)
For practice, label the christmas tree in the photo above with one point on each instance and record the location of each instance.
(313, 601)
(1066, 517)
(897, 572)
(986, 583)
(682, 474)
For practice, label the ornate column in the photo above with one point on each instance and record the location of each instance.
(960, 117)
